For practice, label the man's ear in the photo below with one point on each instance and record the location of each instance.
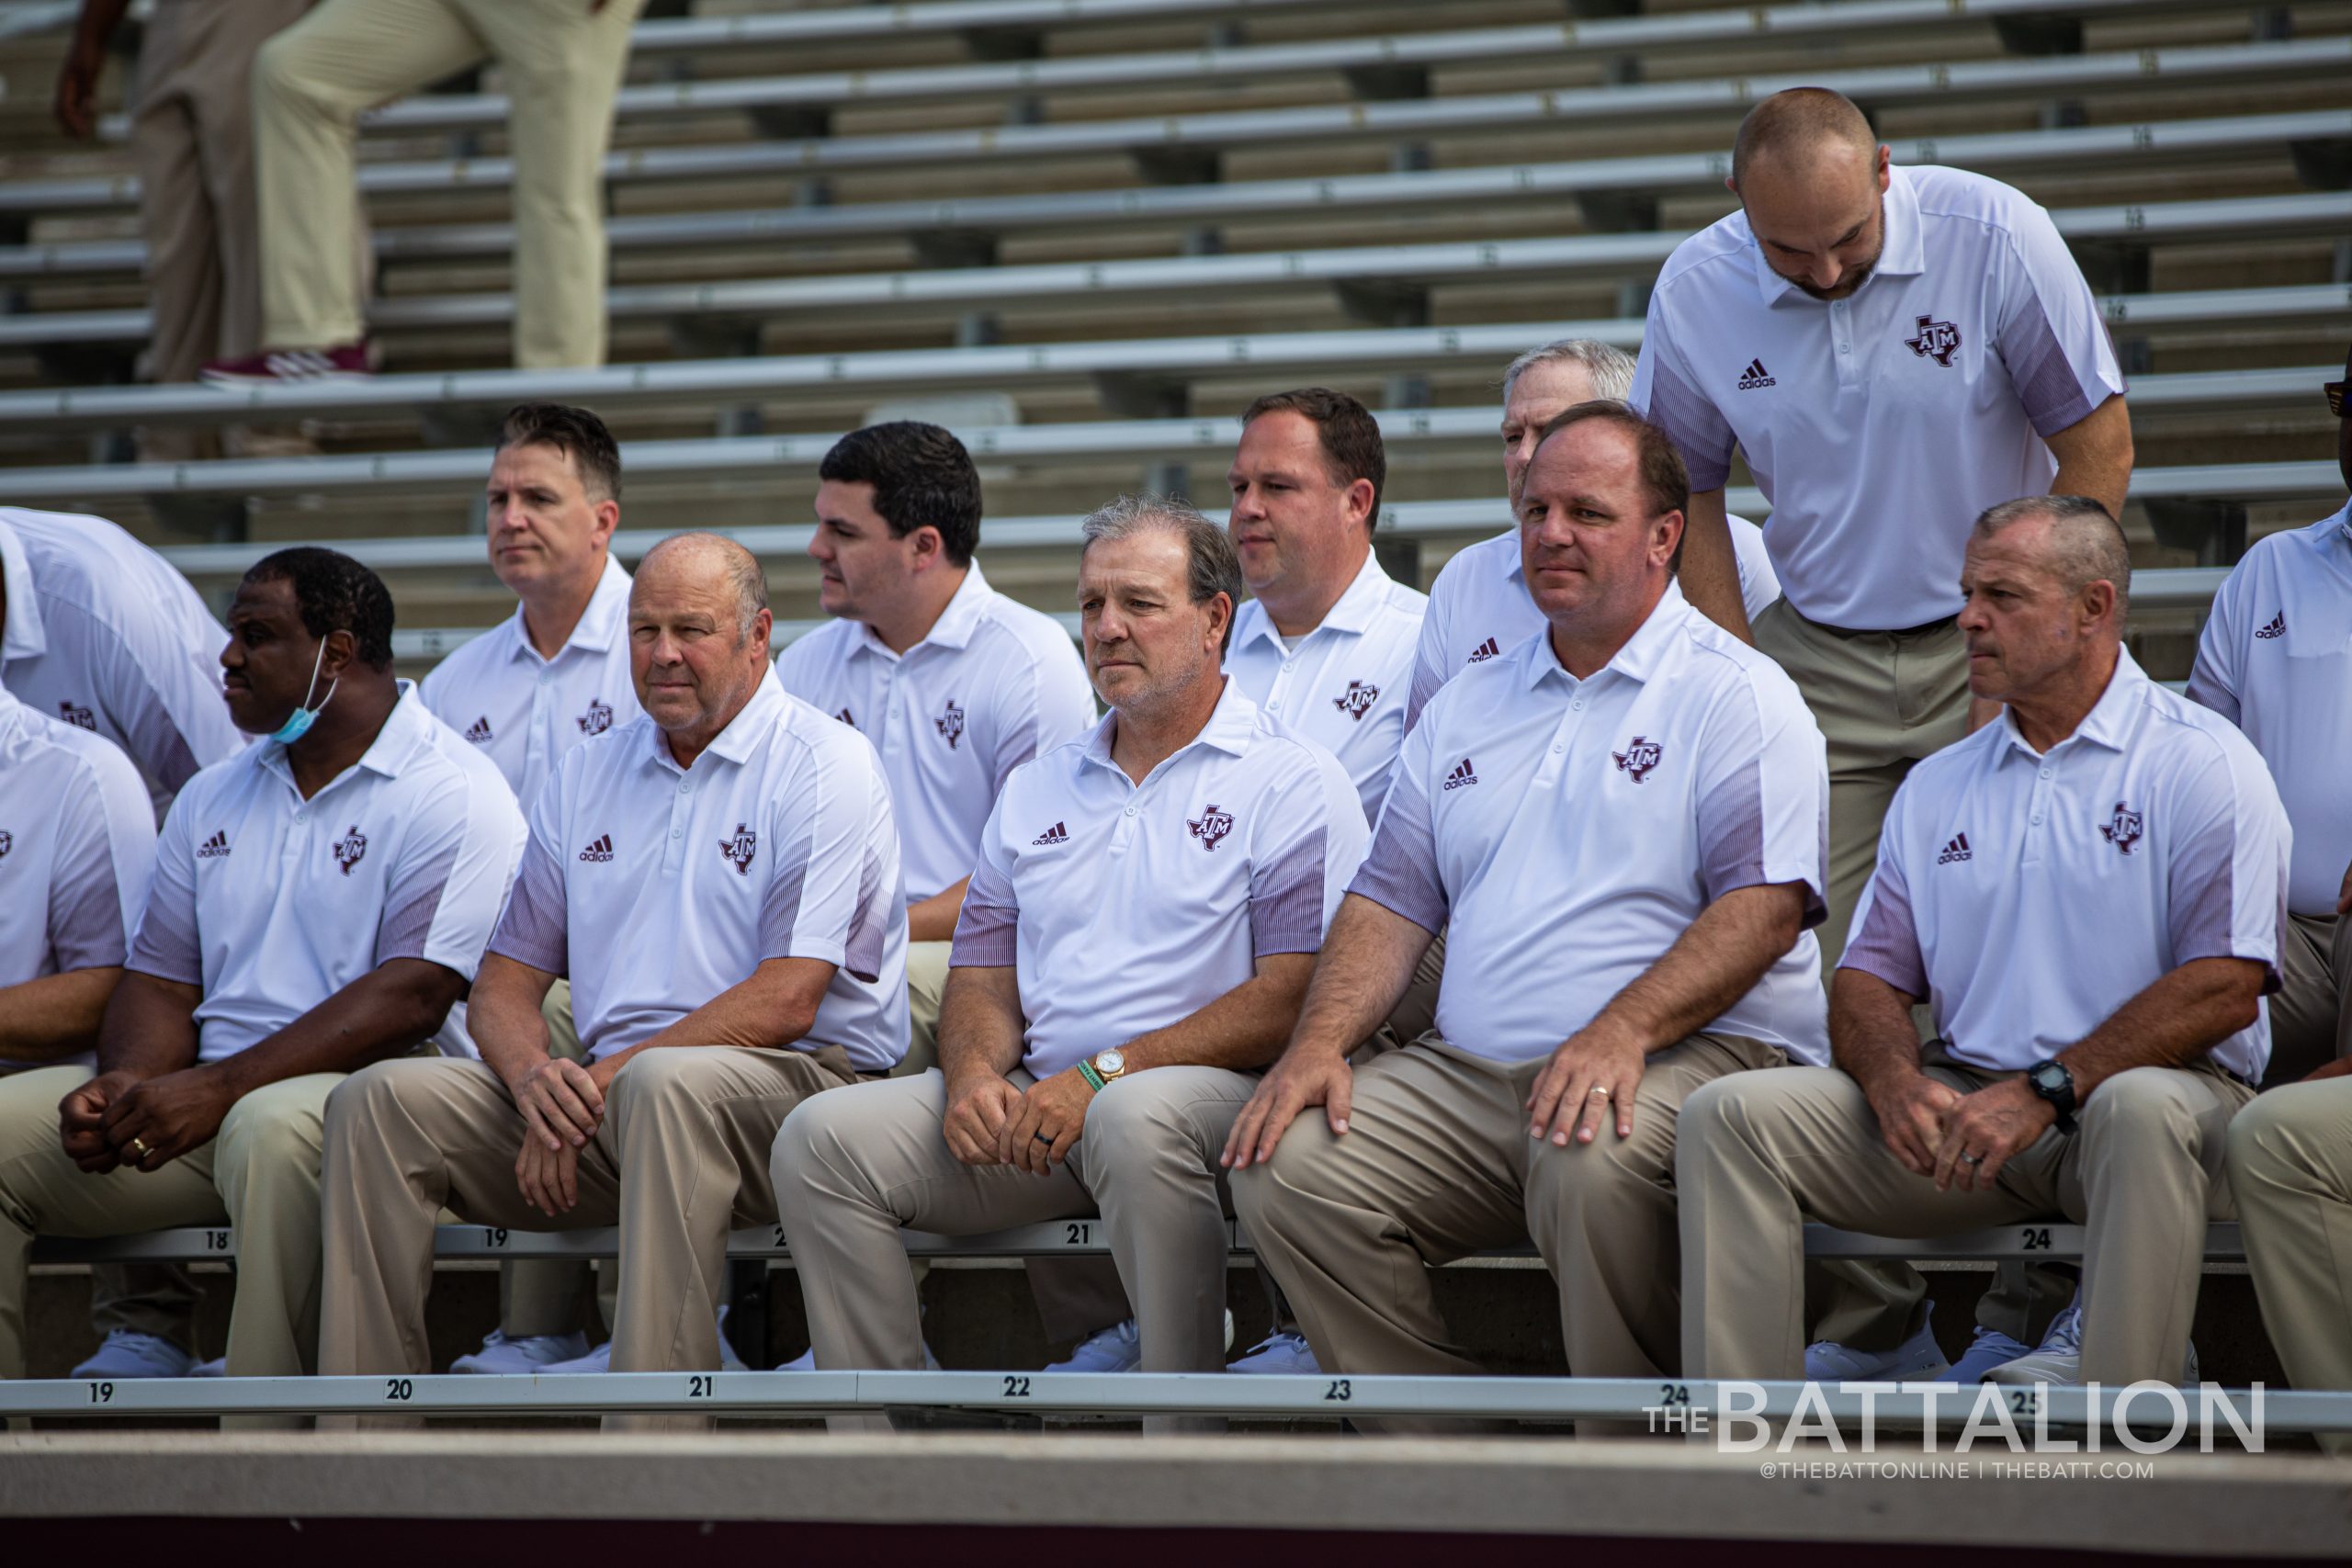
(342, 652)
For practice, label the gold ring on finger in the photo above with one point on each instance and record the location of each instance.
(137, 1148)
(1599, 1093)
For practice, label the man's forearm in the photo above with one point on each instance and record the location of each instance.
(1871, 1036)
(1242, 1029)
(2173, 1023)
(391, 1009)
(503, 1016)
(934, 918)
(980, 1026)
(1717, 960)
(1360, 976)
(150, 1027)
(770, 1011)
(56, 1016)
(2094, 456)
(1710, 573)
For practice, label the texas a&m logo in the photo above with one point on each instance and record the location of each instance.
(73, 713)
(1213, 825)
(951, 723)
(2122, 830)
(1639, 758)
(350, 847)
(1357, 699)
(740, 848)
(7, 843)
(1937, 341)
(598, 718)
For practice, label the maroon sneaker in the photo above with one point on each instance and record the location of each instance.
(289, 366)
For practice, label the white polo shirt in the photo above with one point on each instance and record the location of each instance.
(2028, 895)
(525, 712)
(103, 634)
(272, 903)
(1479, 609)
(1571, 830)
(993, 684)
(1343, 685)
(2275, 661)
(77, 848)
(1881, 424)
(1126, 908)
(655, 887)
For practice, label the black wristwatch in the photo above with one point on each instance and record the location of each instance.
(2051, 1080)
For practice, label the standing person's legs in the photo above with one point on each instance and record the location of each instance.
(2290, 1171)
(311, 84)
(42, 1192)
(562, 64)
(177, 221)
(1759, 1155)
(2146, 1171)
(2311, 1013)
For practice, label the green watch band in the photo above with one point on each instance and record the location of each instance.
(1086, 1070)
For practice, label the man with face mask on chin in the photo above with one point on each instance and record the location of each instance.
(319, 902)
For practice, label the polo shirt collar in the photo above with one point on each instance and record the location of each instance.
(743, 734)
(1639, 659)
(1231, 724)
(958, 619)
(1353, 612)
(406, 729)
(1903, 255)
(2111, 719)
(23, 636)
(2343, 520)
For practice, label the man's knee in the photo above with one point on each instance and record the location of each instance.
(1134, 1119)
(264, 1131)
(2152, 1106)
(286, 71)
(657, 1078)
(1268, 1196)
(362, 1103)
(813, 1157)
(2263, 1145)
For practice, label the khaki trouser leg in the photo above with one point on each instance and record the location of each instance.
(2291, 1170)
(926, 983)
(2310, 1015)
(851, 1170)
(177, 221)
(561, 65)
(311, 84)
(43, 1193)
(542, 1295)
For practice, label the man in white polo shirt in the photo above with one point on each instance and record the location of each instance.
(549, 677)
(1619, 824)
(319, 902)
(97, 631)
(77, 848)
(1892, 351)
(955, 684)
(2088, 1067)
(1139, 929)
(1478, 607)
(2276, 659)
(720, 877)
(1325, 642)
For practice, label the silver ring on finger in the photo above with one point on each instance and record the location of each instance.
(1599, 1092)
(1972, 1159)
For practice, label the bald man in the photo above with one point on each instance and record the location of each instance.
(1893, 351)
(753, 833)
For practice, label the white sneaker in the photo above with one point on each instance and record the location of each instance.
(216, 1368)
(2058, 1357)
(1118, 1348)
(1987, 1351)
(600, 1360)
(1916, 1360)
(502, 1357)
(729, 1361)
(1282, 1353)
(127, 1354)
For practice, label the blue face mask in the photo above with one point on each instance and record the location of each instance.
(298, 723)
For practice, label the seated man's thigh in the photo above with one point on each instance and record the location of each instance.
(725, 1103)
(1171, 1116)
(2151, 1114)
(449, 1124)
(1669, 1078)
(44, 1192)
(1428, 1144)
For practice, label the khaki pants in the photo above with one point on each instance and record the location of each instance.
(2310, 1016)
(1762, 1155)
(191, 139)
(852, 1170)
(561, 64)
(260, 1176)
(542, 1295)
(2290, 1169)
(680, 1160)
(1437, 1164)
(926, 983)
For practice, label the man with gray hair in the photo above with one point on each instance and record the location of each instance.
(1146, 909)
(754, 834)
(1479, 607)
(2087, 1069)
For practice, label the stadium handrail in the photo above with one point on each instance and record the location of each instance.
(2105, 146)
(1227, 130)
(1061, 282)
(442, 468)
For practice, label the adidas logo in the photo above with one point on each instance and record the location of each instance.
(1056, 834)
(479, 731)
(2278, 626)
(1485, 651)
(1957, 849)
(1461, 776)
(1755, 377)
(213, 848)
(599, 852)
